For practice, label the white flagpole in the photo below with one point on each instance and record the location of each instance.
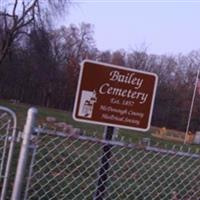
(191, 107)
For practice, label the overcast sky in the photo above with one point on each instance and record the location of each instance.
(162, 26)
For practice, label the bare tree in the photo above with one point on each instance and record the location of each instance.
(119, 57)
(17, 15)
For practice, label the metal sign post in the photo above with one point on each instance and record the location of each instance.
(119, 97)
(103, 173)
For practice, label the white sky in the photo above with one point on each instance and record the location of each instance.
(161, 26)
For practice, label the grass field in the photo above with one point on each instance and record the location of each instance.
(67, 168)
(89, 129)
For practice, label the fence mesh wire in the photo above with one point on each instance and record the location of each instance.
(67, 167)
(7, 139)
(5, 132)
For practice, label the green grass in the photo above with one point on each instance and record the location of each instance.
(64, 116)
(60, 115)
(64, 167)
(89, 129)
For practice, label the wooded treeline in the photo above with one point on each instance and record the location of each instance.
(41, 67)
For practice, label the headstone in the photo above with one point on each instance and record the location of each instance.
(197, 138)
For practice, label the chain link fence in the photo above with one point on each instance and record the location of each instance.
(5, 124)
(8, 124)
(67, 166)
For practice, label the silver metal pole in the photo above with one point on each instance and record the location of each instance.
(28, 129)
(10, 153)
(31, 166)
(191, 107)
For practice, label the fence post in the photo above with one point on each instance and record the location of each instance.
(19, 178)
(103, 173)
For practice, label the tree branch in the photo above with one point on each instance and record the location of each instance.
(14, 11)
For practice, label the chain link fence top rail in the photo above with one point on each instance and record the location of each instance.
(67, 167)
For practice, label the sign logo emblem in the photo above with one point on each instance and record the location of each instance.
(88, 99)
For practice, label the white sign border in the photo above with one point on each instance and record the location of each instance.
(110, 124)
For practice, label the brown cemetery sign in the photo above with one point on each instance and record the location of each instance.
(115, 96)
